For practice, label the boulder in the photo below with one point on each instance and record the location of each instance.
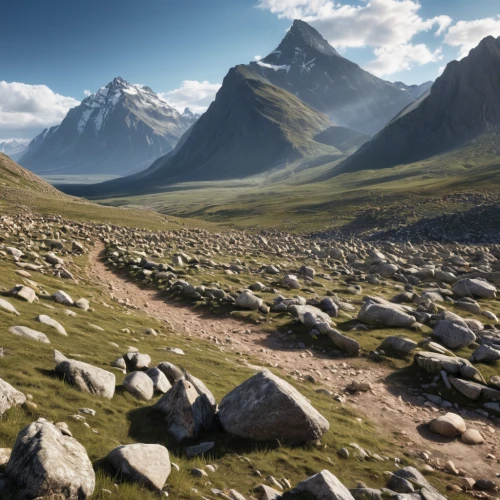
(9, 397)
(472, 437)
(309, 316)
(265, 407)
(474, 287)
(160, 381)
(24, 293)
(172, 372)
(87, 378)
(140, 385)
(46, 462)
(399, 344)
(247, 300)
(343, 342)
(28, 333)
(485, 354)
(384, 314)
(187, 412)
(453, 335)
(62, 298)
(449, 425)
(321, 486)
(47, 320)
(136, 361)
(146, 464)
(8, 307)
(471, 390)
(82, 304)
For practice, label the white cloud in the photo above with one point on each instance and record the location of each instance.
(192, 94)
(26, 109)
(87, 93)
(257, 58)
(386, 26)
(467, 34)
(402, 57)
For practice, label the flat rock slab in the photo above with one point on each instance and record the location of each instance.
(28, 333)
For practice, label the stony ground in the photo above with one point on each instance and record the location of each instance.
(381, 338)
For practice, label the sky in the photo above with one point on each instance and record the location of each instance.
(53, 53)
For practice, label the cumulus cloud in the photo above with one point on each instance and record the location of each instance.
(192, 94)
(386, 26)
(467, 34)
(87, 93)
(26, 109)
(257, 58)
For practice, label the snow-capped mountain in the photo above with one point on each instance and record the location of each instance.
(13, 148)
(306, 65)
(121, 129)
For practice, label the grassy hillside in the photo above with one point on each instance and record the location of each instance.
(302, 197)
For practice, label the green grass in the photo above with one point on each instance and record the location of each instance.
(29, 367)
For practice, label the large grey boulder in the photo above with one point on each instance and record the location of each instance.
(47, 320)
(433, 362)
(140, 385)
(453, 335)
(265, 407)
(46, 462)
(321, 486)
(87, 378)
(384, 314)
(146, 464)
(471, 390)
(171, 371)
(247, 300)
(136, 361)
(187, 412)
(9, 397)
(474, 288)
(486, 354)
(28, 333)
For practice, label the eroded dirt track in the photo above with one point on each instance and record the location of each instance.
(397, 412)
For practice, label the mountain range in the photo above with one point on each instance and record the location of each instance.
(462, 105)
(267, 115)
(121, 129)
(13, 149)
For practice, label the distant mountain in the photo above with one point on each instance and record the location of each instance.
(14, 149)
(414, 90)
(462, 105)
(307, 66)
(120, 129)
(251, 128)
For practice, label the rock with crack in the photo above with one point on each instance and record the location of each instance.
(9, 397)
(146, 464)
(433, 362)
(85, 377)
(265, 407)
(400, 345)
(309, 316)
(187, 412)
(324, 486)
(45, 462)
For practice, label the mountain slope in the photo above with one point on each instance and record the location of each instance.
(250, 128)
(308, 67)
(120, 129)
(14, 149)
(462, 105)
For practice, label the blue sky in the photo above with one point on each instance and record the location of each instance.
(54, 50)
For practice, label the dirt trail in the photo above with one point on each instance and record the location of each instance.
(391, 407)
